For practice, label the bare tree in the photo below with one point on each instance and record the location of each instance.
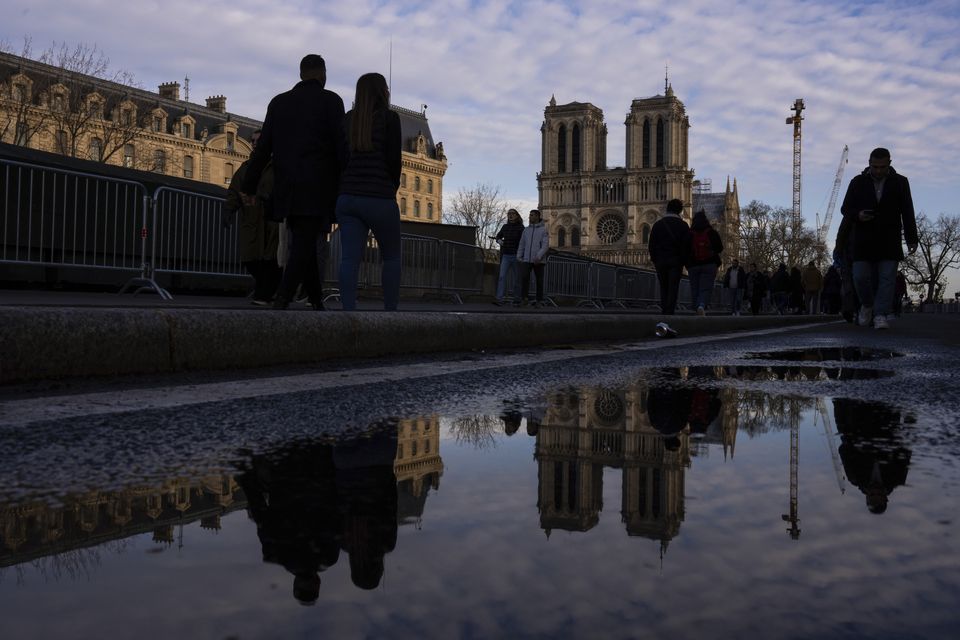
(480, 207)
(475, 430)
(938, 249)
(769, 236)
(20, 118)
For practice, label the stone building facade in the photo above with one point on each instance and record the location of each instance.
(45, 107)
(607, 213)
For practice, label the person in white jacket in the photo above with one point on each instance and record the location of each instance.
(531, 256)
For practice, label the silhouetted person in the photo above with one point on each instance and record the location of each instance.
(872, 450)
(367, 501)
(879, 205)
(667, 247)
(292, 496)
(511, 421)
(756, 288)
(703, 259)
(668, 406)
(301, 134)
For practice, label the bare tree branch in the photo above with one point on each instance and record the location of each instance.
(938, 249)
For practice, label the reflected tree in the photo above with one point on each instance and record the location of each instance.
(476, 430)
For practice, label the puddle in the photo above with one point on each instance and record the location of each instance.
(784, 373)
(825, 354)
(612, 493)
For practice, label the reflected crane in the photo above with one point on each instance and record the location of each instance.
(793, 517)
(831, 438)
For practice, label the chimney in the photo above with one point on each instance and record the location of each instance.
(170, 90)
(217, 103)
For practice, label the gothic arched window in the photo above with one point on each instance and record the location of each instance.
(660, 142)
(562, 149)
(575, 237)
(645, 161)
(575, 164)
(645, 233)
(561, 237)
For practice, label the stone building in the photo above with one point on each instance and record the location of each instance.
(606, 213)
(48, 108)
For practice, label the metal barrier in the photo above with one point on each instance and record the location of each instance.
(57, 217)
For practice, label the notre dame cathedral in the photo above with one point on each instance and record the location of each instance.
(606, 213)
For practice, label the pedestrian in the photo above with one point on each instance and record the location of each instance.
(667, 247)
(879, 204)
(509, 240)
(300, 136)
(257, 236)
(703, 260)
(812, 282)
(780, 289)
(368, 189)
(843, 256)
(832, 290)
(530, 256)
(735, 280)
(756, 288)
(796, 291)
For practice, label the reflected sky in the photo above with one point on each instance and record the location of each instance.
(588, 511)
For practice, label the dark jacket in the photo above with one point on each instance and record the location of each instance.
(700, 223)
(301, 131)
(375, 174)
(780, 282)
(880, 238)
(257, 237)
(667, 241)
(510, 234)
(741, 278)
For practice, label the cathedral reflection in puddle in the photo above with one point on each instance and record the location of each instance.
(331, 518)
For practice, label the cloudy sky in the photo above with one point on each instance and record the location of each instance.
(879, 73)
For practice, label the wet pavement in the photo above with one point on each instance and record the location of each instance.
(684, 488)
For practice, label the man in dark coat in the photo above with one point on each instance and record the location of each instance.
(302, 131)
(667, 252)
(735, 279)
(879, 203)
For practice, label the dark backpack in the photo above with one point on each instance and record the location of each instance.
(702, 247)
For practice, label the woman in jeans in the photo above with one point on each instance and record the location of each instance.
(368, 189)
(703, 260)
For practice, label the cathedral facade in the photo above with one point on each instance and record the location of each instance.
(604, 213)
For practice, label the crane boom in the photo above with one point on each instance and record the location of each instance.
(824, 229)
(795, 120)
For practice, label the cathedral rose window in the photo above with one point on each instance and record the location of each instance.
(610, 228)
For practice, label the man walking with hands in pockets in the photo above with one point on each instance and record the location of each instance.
(530, 256)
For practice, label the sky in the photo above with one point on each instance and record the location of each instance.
(880, 73)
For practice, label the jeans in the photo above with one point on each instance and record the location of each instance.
(525, 268)
(357, 216)
(302, 264)
(701, 277)
(669, 279)
(736, 299)
(875, 284)
(508, 266)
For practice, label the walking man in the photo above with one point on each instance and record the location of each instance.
(735, 279)
(812, 281)
(666, 246)
(879, 204)
(302, 132)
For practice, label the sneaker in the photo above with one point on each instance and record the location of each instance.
(499, 303)
(701, 311)
(865, 317)
(260, 303)
(880, 322)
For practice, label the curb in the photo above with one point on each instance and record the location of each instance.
(41, 343)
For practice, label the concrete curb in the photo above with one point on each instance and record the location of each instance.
(41, 343)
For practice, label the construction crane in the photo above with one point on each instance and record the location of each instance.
(795, 120)
(824, 229)
(831, 440)
(794, 517)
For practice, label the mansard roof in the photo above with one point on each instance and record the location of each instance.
(412, 124)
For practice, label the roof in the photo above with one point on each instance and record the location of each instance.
(412, 124)
(712, 203)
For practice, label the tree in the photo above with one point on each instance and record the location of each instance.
(769, 236)
(20, 119)
(938, 249)
(480, 207)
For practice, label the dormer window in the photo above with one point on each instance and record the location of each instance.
(231, 140)
(157, 124)
(20, 92)
(58, 102)
(126, 117)
(186, 130)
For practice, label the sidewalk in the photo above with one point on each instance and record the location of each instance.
(48, 334)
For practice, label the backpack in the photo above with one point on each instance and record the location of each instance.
(702, 247)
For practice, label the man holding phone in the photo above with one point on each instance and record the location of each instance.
(879, 204)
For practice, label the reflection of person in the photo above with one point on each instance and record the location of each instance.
(292, 496)
(703, 260)
(511, 421)
(531, 254)
(874, 455)
(301, 132)
(879, 204)
(367, 502)
(509, 239)
(368, 189)
(667, 252)
(257, 236)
